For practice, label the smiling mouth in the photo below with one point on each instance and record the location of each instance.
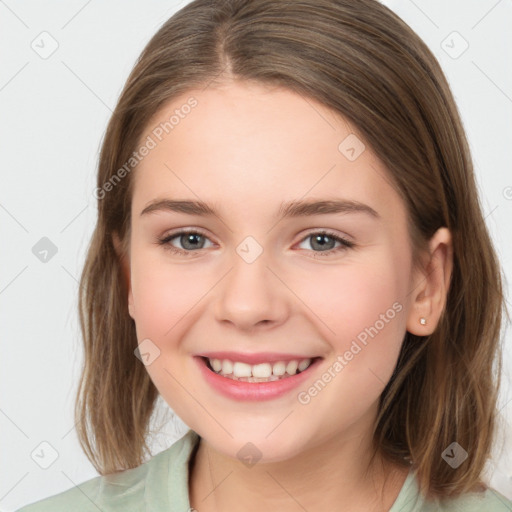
(264, 372)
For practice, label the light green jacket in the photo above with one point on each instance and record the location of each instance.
(161, 485)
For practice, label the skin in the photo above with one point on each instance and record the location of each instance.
(245, 149)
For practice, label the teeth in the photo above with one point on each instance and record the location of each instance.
(216, 364)
(291, 367)
(258, 372)
(279, 369)
(304, 364)
(241, 369)
(227, 366)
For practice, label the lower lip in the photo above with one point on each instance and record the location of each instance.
(244, 391)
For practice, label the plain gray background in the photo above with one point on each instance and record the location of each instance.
(54, 110)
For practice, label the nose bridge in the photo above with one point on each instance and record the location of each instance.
(250, 293)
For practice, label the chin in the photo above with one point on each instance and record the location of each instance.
(257, 445)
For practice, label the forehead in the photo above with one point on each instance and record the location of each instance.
(247, 147)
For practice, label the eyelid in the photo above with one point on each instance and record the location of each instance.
(165, 240)
(345, 243)
(329, 232)
(179, 231)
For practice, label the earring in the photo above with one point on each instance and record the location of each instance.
(423, 321)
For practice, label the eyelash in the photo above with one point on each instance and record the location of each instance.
(345, 244)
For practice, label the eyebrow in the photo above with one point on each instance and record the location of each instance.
(286, 210)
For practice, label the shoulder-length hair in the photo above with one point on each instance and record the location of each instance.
(361, 60)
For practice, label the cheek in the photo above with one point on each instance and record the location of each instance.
(363, 314)
(363, 321)
(164, 296)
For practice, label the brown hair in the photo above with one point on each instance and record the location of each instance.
(362, 61)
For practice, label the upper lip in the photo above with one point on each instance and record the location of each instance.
(255, 358)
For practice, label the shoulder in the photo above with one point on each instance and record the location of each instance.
(130, 490)
(100, 493)
(489, 500)
(80, 497)
(410, 499)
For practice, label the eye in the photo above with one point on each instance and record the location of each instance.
(191, 239)
(319, 241)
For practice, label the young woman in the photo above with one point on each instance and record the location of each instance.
(291, 251)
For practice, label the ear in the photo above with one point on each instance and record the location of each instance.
(431, 285)
(125, 270)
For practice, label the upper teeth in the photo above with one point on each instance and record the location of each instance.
(239, 369)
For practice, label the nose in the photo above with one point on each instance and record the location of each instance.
(251, 296)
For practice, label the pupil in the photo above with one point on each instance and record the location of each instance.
(189, 239)
(320, 239)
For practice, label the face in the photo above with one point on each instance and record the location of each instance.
(330, 284)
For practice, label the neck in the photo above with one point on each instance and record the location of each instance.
(331, 475)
